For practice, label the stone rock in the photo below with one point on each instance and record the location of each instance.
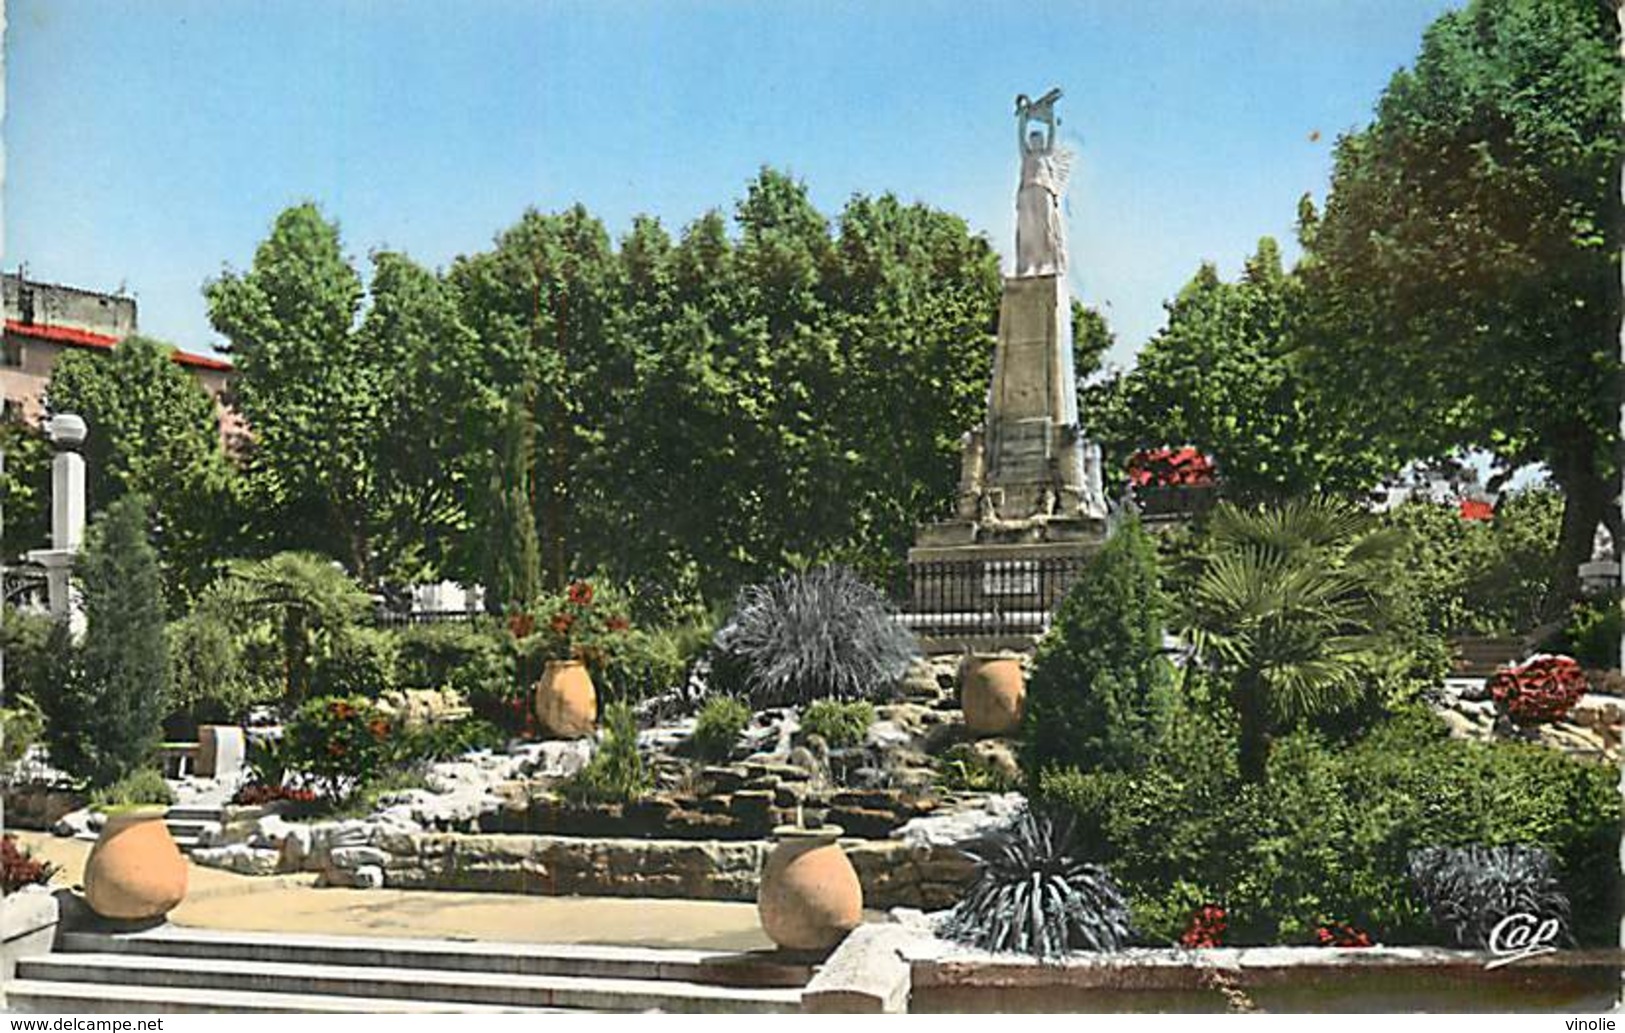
(423, 706)
(353, 857)
(1461, 726)
(367, 877)
(884, 734)
(74, 823)
(1000, 755)
(920, 681)
(1594, 711)
(958, 826)
(240, 858)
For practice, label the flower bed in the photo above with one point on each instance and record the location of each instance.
(1540, 690)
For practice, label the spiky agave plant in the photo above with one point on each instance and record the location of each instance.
(1469, 890)
(1032, 896)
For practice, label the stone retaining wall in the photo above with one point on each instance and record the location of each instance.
(893, 873)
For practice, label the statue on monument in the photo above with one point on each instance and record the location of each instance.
(1040, 226)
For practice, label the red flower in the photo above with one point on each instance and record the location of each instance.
(580, 593)
(521, 625)
(1342, 934)
(1544, 688)
(379, 727)
(561, 623)
(618, 624)
(335, 749)
(1206, 928)
(342, 710)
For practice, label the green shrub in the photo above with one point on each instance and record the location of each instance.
(358, 661)
(1099, 676)
(24, 640)
(1592, 633)
(475, 658)
(1328, 834)
(21, 726)
(339, 743)
(717, 729)
(961, 769)
(840, 724)
(104, 708)
(142, 787)
(444, 740)
(651, 661)
(211, 680)
(616, 773)
(824, 634)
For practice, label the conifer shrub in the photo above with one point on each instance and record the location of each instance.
(105, 709)
(1099, 677)
(721, 722)
(616, 773)
(840, 724)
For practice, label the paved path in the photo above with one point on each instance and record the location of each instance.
(291, 903)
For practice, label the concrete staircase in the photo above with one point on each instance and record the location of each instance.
(186, 824)
(175, 970)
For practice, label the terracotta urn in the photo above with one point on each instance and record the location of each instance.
(809, 897)
(566, 703)
(135, 872)
(992, 691)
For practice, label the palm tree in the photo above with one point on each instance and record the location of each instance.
(1288, 604)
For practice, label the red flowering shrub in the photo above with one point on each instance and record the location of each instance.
(256, 795)
(580, 624)
(1542, 689)
(18, 868)
(1170, 467)
(1206, 928)
(339, 743)
(1341, 934)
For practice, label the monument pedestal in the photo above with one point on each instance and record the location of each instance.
(1030, 509)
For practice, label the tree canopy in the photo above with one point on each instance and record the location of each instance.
(1465, 273)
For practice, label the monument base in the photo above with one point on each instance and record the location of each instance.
(976, 588)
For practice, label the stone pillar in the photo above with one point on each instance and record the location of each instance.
(67, 433)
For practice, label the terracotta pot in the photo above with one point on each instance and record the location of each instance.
(810, 897)
(566, 704)
(992, 691)
(135, 872)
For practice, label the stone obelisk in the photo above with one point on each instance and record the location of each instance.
(1029, 488)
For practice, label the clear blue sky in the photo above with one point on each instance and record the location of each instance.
(151, 142)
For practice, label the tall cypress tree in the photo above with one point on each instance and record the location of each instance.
(516, 556)
(105, 708)
(1099, 676)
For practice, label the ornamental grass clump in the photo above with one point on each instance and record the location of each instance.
(1033, 896)
(1540, 690)
(824, 634)
(1470, 890)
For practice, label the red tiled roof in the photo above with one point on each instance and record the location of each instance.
(88, 339)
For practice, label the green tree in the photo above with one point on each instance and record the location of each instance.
(107, 693)
(362, 427)
(515, 581)
(1221, 376)
(1099, 681)
(154, 430)
(1289, 608)
(1465, 274)
(309, 603)
(25, 488)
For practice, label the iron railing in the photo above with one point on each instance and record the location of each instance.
(965, 598)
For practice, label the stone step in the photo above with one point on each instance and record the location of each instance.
(34, 996)
(718, 968)
(194, 813)
(375, 981)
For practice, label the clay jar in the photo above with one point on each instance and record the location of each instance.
(135, 872)
(810, 897)
(992, 691)
(566, 704)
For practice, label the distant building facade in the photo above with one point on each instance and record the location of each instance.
(43, 321)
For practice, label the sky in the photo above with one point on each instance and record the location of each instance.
(150, 143)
